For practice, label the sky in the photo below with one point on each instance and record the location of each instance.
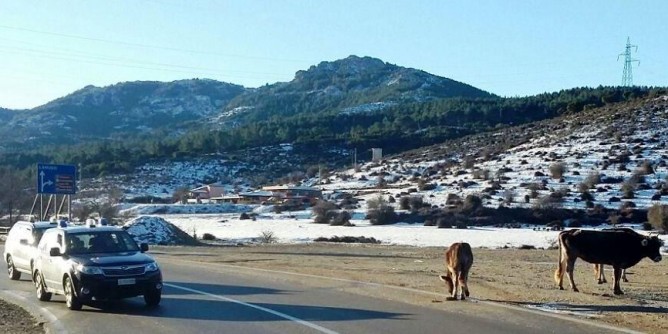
(49, 49)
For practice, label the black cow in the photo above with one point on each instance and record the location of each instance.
(621, 248)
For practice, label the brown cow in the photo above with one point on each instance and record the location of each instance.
(458, 261)
(600, 275)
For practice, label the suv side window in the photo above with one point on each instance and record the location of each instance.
(48, 241)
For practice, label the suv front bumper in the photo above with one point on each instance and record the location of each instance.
(100, 287)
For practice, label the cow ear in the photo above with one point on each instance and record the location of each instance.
(644, 242)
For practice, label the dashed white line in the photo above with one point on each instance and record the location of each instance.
(259, 308)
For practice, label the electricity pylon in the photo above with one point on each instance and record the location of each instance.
(627, 77)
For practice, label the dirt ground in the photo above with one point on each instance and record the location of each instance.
(15, 320)
(511, 276)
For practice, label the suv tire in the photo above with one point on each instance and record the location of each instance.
(71, 300)
(152, 297)
(40, 289)
(11, 269)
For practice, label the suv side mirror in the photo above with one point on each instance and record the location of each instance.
(143, 247)
(55, 251)
(23, 242)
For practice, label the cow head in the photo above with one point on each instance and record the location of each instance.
(448, 280)
(652, 247)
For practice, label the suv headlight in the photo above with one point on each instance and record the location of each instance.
(88, 270)
(152, 266)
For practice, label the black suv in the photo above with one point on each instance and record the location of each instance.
(94, 263)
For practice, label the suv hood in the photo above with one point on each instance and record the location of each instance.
(114, 259)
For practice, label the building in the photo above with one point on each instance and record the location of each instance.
(205, 193)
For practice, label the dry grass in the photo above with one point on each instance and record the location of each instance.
(519, 277)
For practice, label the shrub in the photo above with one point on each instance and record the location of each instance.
(646, 168)
(557, 170)
(592, 180)
(443, 222)
(405, 203)
(267, 237)
(322, 211)
(416, 203)
(208, 236)
(657, 216)
(376, 202)
(244, 216)
(341, 218)
(471, 203)
(586, 196)
(509, 196)
(382, 216)
(628, 189)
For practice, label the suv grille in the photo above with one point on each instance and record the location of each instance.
(123, 270)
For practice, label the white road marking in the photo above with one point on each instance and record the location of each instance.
(53, 324)
(259, 308)
(486, 302)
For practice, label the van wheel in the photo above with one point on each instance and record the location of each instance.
(40, 289)
(71, 299)
(11, 270)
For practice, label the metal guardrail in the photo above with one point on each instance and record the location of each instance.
(4, 230)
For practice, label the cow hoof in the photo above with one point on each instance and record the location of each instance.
(561, 288)
(601, 282)
(619, 292)
(467, 293)
(450, 298)
(576, 290)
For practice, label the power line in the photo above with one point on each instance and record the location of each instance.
(147, 46)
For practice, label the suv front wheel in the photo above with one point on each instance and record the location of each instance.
(11, 269)
(152, 297)
(71, 299)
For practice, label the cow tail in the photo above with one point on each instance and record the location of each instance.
(558, 274)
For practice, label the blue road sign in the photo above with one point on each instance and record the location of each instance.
(56, 179)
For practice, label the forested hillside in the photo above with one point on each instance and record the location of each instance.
(395, 129)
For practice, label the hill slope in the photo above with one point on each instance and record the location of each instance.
(117, 110)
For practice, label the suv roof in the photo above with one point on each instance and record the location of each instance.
(70, 229)
(38, 224)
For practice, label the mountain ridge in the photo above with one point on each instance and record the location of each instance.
(123, 109)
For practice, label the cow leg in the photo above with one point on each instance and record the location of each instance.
(455, 282)
(462, 286)
(624, 276)
(466, 283)
(600, 273)
(559, 273)
(618, 276)
(570, 266)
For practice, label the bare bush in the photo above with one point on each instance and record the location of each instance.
(322, 211)
(657, 215)
(557, 170)
(268, 237)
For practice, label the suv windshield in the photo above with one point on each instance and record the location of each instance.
(100, 242)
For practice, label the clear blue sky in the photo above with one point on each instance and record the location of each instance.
(49, 49)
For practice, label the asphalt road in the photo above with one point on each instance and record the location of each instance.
(205, 298)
